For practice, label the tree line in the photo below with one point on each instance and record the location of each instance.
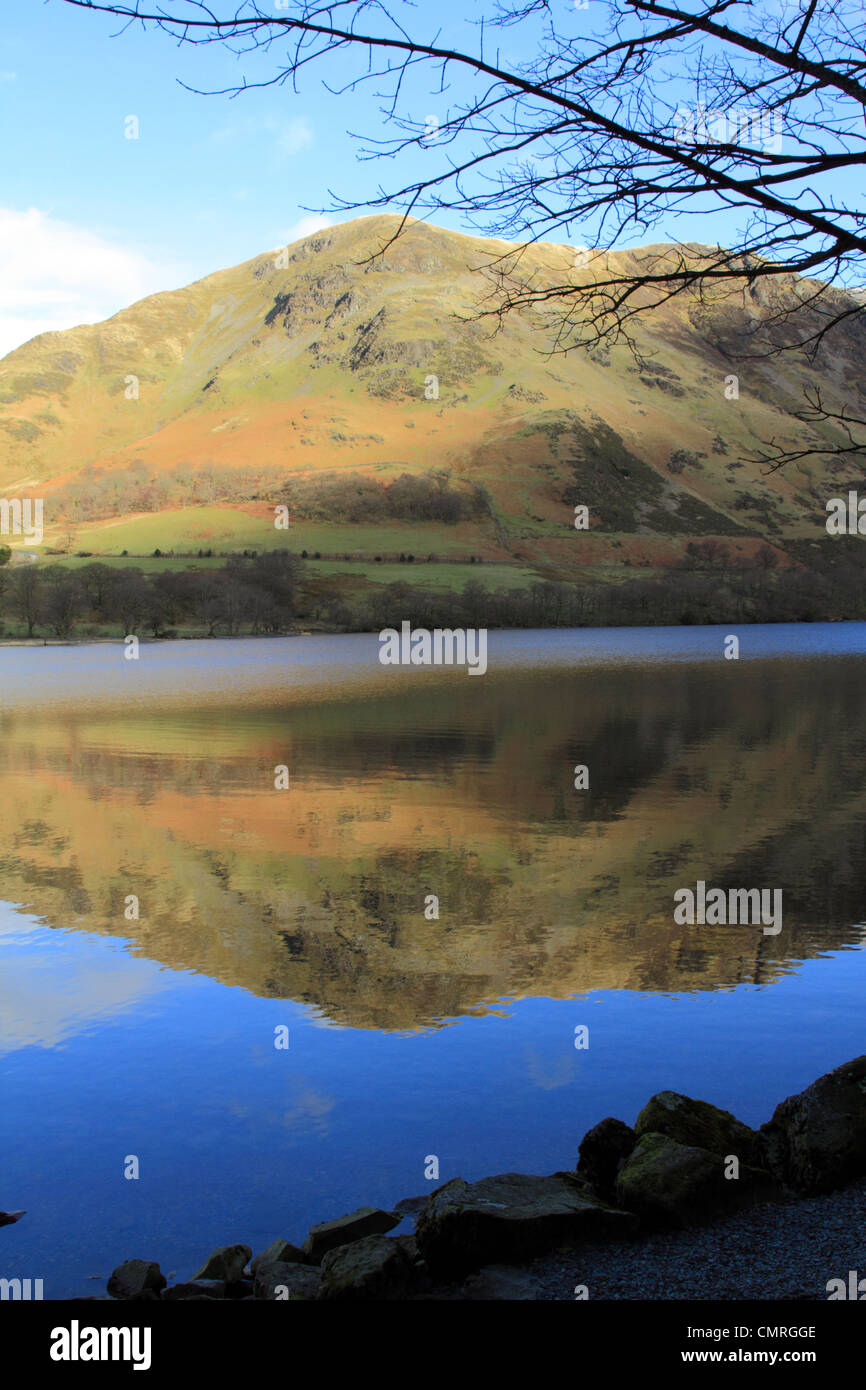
(256, 594)
(268, 594)
(700, 590)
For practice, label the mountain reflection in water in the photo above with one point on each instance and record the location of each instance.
(741, 774)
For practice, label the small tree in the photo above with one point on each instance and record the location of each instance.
(28, 596)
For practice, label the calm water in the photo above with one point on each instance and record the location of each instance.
(305, 908)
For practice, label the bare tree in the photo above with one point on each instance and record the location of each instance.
(752, 112)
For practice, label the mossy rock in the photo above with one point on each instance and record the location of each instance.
(372, 1268)
(698, 1123)
(668, 1184)
(816, 1140)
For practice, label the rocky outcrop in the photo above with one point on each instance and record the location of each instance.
(328, 1235)
(508, 1218)
(816, 1140)
(668, 1184)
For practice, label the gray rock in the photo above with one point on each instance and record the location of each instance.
(280, 1252)
(421, 1280)
(371, 1268)
(328, 1235)
(286, 1281)
(240, 1288)
(511, 1217)
(410, 1206)
(227, 1262)
(192, 1290)
(668, 1184)
(602, 1152)
(816, 1140)
(136, 1280)
(698, 1124)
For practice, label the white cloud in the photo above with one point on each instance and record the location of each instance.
(7, 76)
(57, 275)
(306, 226)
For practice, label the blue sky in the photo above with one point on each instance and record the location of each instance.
(90, 221)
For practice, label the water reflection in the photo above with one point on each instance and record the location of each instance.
(742, 774)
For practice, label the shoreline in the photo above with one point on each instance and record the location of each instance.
(689, 1204)
(149, 641)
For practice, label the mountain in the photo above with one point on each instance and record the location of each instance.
(189, 415)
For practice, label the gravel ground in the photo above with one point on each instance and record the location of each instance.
(786, 1251)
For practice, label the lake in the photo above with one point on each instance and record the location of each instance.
(166, 910)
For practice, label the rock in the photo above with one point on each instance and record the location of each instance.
(668, 1184)
(410, 1206)
(280, 1252)
(602, 1152)
(410, 1244)
(240, 1288)
(287, 1280)
(509, 1218)
(421, 1280)
(372, 1268)
(816, 1140)
(191, 1290)
(227, 1262)
(698, 1124)
(136, 1280)
(498, 1281)
(366, 1221)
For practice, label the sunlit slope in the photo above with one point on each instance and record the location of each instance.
(319, 359)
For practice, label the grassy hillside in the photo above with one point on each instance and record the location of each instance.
(182, 422)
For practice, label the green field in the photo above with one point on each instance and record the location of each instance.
(441, 575)
(428, 576)
(151, 564)
(189, 529)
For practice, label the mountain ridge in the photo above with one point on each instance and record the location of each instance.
(325, 358)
